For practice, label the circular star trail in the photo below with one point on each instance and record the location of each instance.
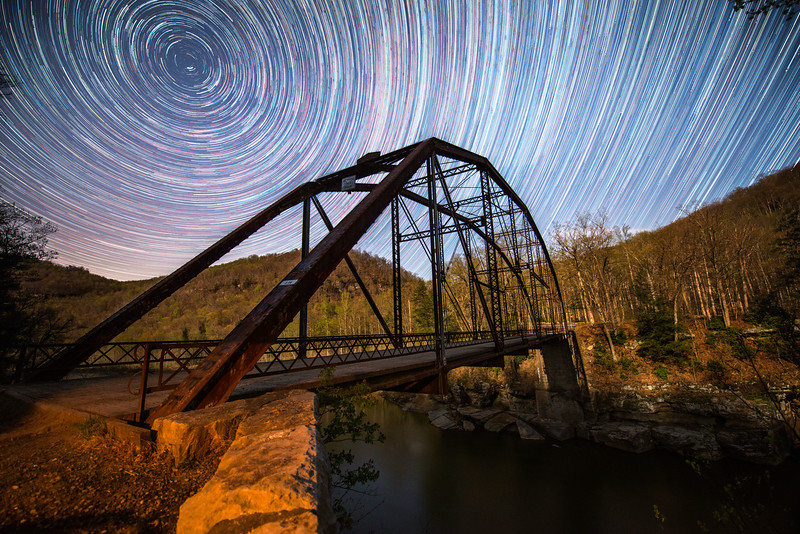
(146, 130)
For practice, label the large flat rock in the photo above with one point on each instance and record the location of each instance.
(274, 475)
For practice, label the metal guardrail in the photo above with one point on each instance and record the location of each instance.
(171, 361)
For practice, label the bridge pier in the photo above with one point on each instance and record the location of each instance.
(558, 393)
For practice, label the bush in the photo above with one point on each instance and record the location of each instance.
(656, 332)
(91, 427)
(618, 337)
(718, 371)
(661, 372)
(734, 340)
(716, 323)
(344, 412)
(602, 357)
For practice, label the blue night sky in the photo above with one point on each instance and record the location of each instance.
(146, 130)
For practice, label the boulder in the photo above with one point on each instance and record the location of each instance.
(625, 436)
(483, 395)
(688, 442)
(555, 429)
(266, 482)
(476, 414)
(526, 431)
(763, 445)
(292, 409)
(441, 418)
(191, 435)
(500, 422)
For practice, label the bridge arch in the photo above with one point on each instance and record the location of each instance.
(437, 197)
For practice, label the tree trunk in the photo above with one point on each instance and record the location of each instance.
(610, 343)
(700, 297)
(675, 316)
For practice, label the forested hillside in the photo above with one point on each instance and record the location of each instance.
(717, 287)
(213, 303)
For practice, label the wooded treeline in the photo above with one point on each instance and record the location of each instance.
(730, 260)
(212, 304)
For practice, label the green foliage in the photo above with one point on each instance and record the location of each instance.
(629, 367)
(734, 340)
(746, 503)
(602, 357)
(660, 518)
(344, 414)
(784, 340)
(422, 300)
(716, 323)
(755, 8)
(210, 305)
(661, 372)
(23, 315)
(656, 332)
(718, 372)
(618, 337)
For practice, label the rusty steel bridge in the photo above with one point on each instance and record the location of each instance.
(437, 201)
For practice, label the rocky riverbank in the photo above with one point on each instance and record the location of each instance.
(695, 421)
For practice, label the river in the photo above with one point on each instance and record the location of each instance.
(435, 481)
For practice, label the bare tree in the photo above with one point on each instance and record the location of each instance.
(587, 246)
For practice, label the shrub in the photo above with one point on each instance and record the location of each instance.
(656, 332)
(618, 337)
(718, 371)
(734, 340)
(602, 357)
(716, 323)
(661, 372)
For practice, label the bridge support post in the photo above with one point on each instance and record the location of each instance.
(304, 246)
(558, 394)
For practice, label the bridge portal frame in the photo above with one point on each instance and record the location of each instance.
(216, 377)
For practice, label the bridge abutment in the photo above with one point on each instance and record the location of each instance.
(558, 392)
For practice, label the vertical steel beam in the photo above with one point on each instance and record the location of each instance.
(304, 243)
(356, 276)
(397, 274)
(437, 273)
(491, 263)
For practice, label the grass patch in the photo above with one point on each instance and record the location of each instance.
(92, 427)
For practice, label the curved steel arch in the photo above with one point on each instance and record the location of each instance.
(409, 171)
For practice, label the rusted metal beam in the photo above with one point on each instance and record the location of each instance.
(114, 325)
(214, 380)
(103, 333)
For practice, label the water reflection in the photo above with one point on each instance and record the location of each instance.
(441, 482)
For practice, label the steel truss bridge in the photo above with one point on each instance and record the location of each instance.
(439, 203)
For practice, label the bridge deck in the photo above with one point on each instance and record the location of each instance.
(118, 397)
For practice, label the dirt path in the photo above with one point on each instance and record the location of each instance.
(57, 475)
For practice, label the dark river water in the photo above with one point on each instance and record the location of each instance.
(452, 481)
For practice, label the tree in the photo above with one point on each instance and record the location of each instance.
(587, 246)
(755, 8)
(343, 412)
(23, 239)
(422, 301)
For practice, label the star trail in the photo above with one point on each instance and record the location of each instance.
(146, 130)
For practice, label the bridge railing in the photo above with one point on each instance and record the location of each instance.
(286, 355)
(161, 365)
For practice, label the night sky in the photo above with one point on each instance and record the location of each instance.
(147, 130)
